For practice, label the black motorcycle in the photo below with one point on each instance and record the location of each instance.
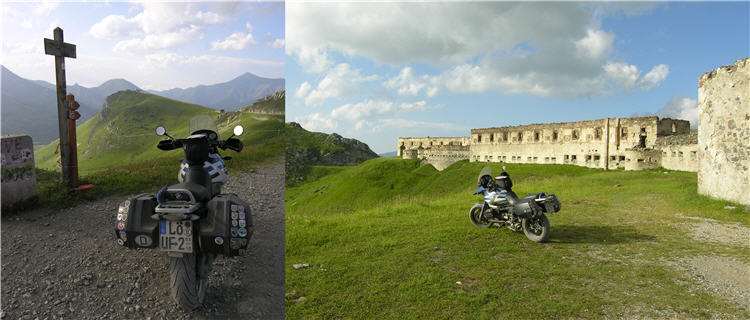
(192, 221)
(503, 207)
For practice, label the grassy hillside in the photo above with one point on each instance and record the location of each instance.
(275, 105)
(117, 151)
(299, 138)
(124, 131)
(391, 239)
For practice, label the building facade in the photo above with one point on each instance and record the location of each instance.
(630, 143)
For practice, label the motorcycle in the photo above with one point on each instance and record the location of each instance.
(501, 206)
(191, 221)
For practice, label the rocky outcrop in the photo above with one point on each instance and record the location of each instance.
(305, 148)
(274, 96)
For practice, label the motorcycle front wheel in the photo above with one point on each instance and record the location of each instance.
(536, 229)
(188, 279)
(477, 217)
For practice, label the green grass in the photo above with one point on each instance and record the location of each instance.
(118, 166)
(390, 239)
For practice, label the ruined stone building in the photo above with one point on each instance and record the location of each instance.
(630, 143)
(719, 150)
(724, 132)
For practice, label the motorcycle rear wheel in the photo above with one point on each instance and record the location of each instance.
(477, 217)
(188, 279)
(536, 229)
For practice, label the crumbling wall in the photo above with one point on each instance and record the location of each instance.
(592, 143)
(679, 152)
(642, 158)
(724, 132)
(443, 156)
(18, 172)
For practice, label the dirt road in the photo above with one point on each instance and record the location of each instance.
(66, 264)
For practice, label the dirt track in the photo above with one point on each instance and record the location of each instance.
(66, 264)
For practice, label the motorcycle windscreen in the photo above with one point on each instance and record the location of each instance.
(486, 171)
(202, 122)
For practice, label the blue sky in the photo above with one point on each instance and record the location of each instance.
(154, 45)
(379, 71)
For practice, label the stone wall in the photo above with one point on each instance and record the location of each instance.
(724, 132)
(18, 172)
(641, 158)
(415, 143)
(443, 156)
(630, 143)
(679, 152)
(592, 143)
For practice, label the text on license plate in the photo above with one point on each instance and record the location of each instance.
(176, 236)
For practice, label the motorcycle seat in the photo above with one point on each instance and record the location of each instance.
(531, 196)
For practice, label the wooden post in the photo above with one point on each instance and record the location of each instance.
(61, 50)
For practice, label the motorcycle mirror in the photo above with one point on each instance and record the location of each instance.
(238, 130)
(160, 131)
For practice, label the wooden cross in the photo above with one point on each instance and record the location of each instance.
(62, 50)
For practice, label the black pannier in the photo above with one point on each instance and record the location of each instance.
(551, 204)
(227, 227)
(134, 227)
(526, 208)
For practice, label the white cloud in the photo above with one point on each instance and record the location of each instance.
(436, 33)
(544, 49)
(114, 26)
(596, 45)
(312, 59)
(680, 107)
(236, 41)
(365, 109)
(316, 122)
(409, 85)
(303, 89)
(654, 77)
(340, 81)
(162, 25)
(370, 108)
(628, 77)
(159, 41)
(45, 8)
(278, 43)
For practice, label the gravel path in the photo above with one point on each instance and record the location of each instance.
(66, 264)
(721, 276)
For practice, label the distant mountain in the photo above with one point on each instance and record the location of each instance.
(388, 154)
(232, 95)
(305, 148)
(30, 106)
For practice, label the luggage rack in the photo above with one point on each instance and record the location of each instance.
(176, 211)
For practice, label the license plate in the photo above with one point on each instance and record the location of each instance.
(176, 236)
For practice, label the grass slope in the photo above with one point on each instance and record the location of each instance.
(391, 239)
(267, 106)
(122, 157)
(299, 138)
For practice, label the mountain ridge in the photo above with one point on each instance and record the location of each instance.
(306, 148)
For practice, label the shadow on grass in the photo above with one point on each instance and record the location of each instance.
(597, 234)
